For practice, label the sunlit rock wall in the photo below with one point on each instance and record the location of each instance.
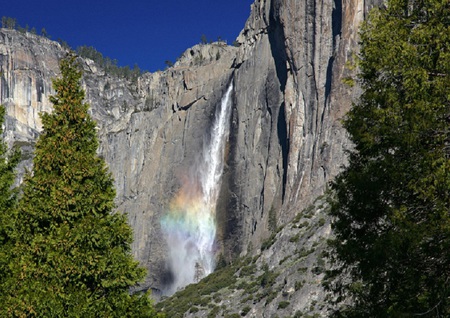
(285, 143)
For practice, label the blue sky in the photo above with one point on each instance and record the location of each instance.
(133, 31)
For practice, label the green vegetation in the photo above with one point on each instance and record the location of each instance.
(304, 252)
(44, 33)
(214, 312)
(198, 295)
(68, 255)
(8, 200)
(203, 39)
(284, 259)
(247, 270)
(168, 63)
(249, 282)
(269, 242)
(221, 262)
(207, 294)
(9, 23)
(391, 207)
(268, 277)
(272, 219)
(299, 285)
(283, 304)
(235, 315)
(110, 66)
(321, 222)
(245, 310)
(295, 238)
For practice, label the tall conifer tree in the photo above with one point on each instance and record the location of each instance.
(8, 198)
(72, 254)
(392, 204)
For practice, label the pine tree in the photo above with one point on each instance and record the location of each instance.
(391, 207)
(72, 254)
(8, 198)
(8, 162)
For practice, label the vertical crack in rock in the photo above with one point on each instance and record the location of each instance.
(277, 42)
(336, 25)
(283, 139)
(287, 102)
(336, 20)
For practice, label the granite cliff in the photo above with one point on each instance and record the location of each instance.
(285, 139)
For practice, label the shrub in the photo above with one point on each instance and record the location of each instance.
(245, 311)
(283, 304)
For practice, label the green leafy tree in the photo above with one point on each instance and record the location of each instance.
(71, 253)
(391, 207)
(8, 198)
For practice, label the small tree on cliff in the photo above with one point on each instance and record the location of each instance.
(8, 198)
(392, 205)
(71, 254)
(8, 23)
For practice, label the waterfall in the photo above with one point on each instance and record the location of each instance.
(190, 222)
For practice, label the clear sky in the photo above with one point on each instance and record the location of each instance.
(133, 31)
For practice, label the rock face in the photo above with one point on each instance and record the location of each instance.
(287, 141)
(285, 138)
(284, 279)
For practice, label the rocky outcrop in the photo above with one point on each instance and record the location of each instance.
(290, 97)
(150, 129)
(284, 279)
(285, 140)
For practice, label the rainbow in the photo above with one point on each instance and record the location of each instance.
(189, 226)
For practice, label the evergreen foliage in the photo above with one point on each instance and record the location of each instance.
(8, 197)
(44, 33)
(8, 22)
(71, 254)
(11, 23)
(110, 66)
(391, 206)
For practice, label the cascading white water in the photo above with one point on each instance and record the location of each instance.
(190, 223)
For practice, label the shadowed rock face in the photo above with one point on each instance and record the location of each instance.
(285, 138)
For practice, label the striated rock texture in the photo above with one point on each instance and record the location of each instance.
(284, 280)
(285, 140)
